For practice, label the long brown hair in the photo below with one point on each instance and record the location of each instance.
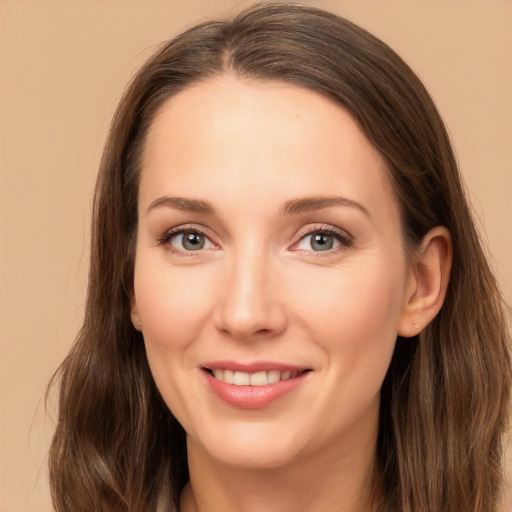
(117, 447)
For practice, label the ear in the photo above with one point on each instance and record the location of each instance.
(134, 313)
(427, 282)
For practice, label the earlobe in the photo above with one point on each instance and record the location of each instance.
(430, 274)
(134, 313)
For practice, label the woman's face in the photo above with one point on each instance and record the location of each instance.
(270, 275)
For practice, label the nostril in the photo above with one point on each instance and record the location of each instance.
(262, 332)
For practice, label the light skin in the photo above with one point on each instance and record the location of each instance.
(269, 232)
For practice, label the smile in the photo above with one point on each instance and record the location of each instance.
(261, 378)
(255, 385)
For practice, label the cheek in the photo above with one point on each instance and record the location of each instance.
(173, 305)
(373, 301)
(355, 311)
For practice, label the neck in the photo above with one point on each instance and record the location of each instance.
(340, 479)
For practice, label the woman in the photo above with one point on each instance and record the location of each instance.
(289, 307)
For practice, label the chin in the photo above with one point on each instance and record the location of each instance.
(252, 448)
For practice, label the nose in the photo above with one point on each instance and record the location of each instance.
(250, 305)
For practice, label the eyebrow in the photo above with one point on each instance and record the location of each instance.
(184, 204)
(311, 203)
(292, 207)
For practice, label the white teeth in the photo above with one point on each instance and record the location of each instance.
(253, 379)
(273, 376)
(241, 379)
(228, 376)
(258, 379)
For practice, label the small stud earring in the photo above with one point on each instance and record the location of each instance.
(139, 325)
(416, 326)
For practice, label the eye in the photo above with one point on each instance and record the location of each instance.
(189, 241)
(318, 242)
(323, 240)
(186, 240)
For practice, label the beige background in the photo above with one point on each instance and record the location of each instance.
(63, 68)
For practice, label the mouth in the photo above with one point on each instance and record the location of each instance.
(260, 378)
(255, 385)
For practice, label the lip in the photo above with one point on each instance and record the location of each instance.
(252, 367)
(252, 397)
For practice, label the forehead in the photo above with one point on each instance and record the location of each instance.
(253, 138)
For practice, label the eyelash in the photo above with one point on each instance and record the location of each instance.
(346, 240)
(166, 238)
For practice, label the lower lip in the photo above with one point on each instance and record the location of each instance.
(252, 397)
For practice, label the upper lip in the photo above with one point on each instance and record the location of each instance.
(252, 367)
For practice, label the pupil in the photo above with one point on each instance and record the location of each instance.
(322, 242)
(193, 241)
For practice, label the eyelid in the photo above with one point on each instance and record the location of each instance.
(343, 236)
(168, 234)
